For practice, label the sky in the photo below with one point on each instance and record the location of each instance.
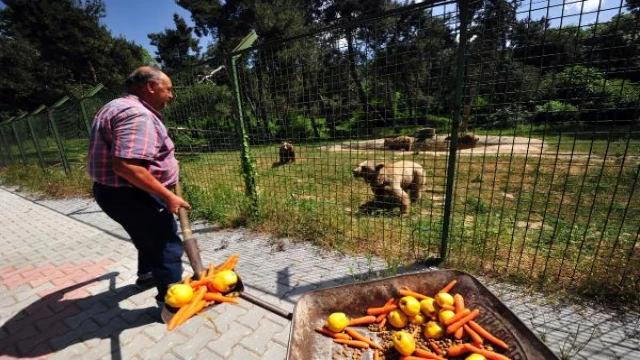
(134, 19)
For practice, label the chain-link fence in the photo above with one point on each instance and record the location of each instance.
(501, 137)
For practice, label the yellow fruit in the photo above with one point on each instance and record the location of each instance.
(410, 306)
(419, 319)
(429, 307)
(404, 342)
(445, 315)
(178, 295)
(444, 299)
(475, 357)
(337, 321)
(433, 330)
(398, 319)
(224, 281)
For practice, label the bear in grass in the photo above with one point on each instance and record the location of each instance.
(399, 182)
(402, 142)
(287, 153)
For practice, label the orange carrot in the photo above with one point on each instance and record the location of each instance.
(382, 324)
(457, 317)
(424, 354)
(354, 343)
(174, 320)
(381, 310)
(434, 346)
(477, 339)
(203, 274)
(459, 333)
(487, 335)
(362, 320)
(192, 310)
(376, 355)
(458, 324)
(229, 264)
(458, 302)
(490, 355)
(381, 317)
(447, 307)
(188, 312)
(217, 297)
(406, 292)
(335, 335)
(448, 287)
(211, 269)
(202, 282)
(357, 336)
(187, 280)
(429, 356)
(457, 350)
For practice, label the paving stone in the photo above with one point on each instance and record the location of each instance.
(261, 337)
(229, 338)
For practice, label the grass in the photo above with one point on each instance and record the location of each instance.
(553, 222)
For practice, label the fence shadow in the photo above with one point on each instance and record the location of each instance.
(56, 322)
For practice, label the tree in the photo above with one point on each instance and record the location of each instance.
(176, 47)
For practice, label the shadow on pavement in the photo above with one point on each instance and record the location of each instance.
(57, 321)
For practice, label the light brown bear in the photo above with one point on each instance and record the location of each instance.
(402, 142)
(392, 181)
(287, 153)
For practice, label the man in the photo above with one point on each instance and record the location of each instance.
(132, 163)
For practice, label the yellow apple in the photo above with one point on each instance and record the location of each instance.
(404, 342)
(410, 306)
(398, 319)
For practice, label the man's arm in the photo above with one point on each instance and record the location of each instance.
(133, 171)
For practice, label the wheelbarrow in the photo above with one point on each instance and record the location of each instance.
(313, 308)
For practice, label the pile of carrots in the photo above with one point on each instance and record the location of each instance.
(464, 322)
(204, 295)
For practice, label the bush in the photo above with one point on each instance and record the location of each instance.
(555, 112)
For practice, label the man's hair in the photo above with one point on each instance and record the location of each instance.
(140, 76)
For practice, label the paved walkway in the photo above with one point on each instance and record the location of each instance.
(67, 274)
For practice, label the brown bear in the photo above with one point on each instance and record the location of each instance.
(402, 142)
(287, 153)
(392, 181)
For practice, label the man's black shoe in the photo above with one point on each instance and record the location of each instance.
(146, 281)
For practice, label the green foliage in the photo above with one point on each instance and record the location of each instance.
(176, 47)
(555, 112)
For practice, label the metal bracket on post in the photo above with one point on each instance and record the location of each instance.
(248, 165)
(56, 134)
(463, 6)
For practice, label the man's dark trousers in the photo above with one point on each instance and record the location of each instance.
(152, 228)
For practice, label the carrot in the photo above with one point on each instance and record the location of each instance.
(354, 343)
(187, 280)
(458, 324)
(430, 356)
(376, 355)
(490, 355)
(457, 317)
(457, 350)
(382, 324)
(487, 335)
(192, 310)
(335, 335)
(174, 320)
(434, 346)
(217, 297)
(459, 333)
(229, 264)
(357, 336)
(458, 302)
(448, 287)
(381, 310)
(203, 274)
(362, 320)
(381, 317)
(188, 312)
(211, 269)
(407, 292)
(424, 354)
(477, 339)
(447, 307)
(202, 282)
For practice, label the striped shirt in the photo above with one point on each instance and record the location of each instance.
(129, 128)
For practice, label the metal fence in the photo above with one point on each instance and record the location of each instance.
(522, 118)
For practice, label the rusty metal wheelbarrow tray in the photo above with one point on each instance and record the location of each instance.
(353, 299)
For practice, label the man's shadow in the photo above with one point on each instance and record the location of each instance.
(54, 323)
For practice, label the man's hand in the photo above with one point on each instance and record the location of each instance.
(176, 202)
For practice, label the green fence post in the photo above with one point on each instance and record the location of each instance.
(36, 144)
(15, 134)
(83, 108)
(248, 165)
(6, 146)
(56, 134)
(455, 124)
